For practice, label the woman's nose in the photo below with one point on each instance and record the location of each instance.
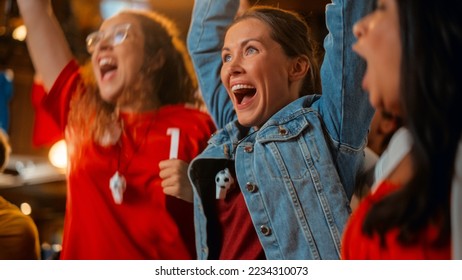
(235, 67)
(104, 44)
(359, 29)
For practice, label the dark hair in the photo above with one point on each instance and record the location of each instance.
(431, 98)
(290, 31)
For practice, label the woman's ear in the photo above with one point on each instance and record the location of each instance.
(299, 68)
(158, 61)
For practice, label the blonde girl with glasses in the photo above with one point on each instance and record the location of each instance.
(132, 125)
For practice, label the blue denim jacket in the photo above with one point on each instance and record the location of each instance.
(297, 172)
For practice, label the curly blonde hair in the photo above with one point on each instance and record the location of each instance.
(172, 83)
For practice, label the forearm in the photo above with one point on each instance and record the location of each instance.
(48, 48)
(209, 22)
(344, 106)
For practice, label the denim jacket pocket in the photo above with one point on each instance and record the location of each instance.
(283, 130)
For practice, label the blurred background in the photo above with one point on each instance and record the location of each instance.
(31, 181)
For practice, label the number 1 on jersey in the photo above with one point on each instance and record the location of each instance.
(174, 142)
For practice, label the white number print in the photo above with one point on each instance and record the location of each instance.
(174, 142)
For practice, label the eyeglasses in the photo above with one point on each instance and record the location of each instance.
(114, 36)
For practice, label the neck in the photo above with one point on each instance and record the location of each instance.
(403, 172)
(138, 106)
(138, 99)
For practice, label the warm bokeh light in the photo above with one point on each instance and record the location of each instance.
(58, 154)
(110, 7)
(57, 247)
(20, 33)
(26, 209)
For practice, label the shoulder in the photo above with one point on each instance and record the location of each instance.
(356, 244)
(68, 79)
(184, 113)
(12, 219)
(187, 119)
(291, 120)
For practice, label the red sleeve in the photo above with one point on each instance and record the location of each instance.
(45, 130)
(57, 102)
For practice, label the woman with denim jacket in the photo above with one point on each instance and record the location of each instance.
(276, 179)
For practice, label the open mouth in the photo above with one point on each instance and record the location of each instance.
(107, 66)
(243, 93)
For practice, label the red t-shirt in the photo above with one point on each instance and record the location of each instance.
(239, 241)
(148, 224)
(359, 246)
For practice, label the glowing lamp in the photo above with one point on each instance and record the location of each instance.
(58, 154)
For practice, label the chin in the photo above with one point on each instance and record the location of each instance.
(108, 98)
(249, 123)
(245, 122)
(108, 94)
(374, 101)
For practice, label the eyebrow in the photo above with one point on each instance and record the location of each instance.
(243, 43)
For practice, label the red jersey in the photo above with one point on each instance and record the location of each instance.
(357, 245)
(45, 131)
(148, 224)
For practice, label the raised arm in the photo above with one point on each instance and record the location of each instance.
(210, 19)
(48, 47)
(344, 106)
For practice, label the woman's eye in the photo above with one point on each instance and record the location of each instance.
(250, 50)
(226, 58)
(118, 37)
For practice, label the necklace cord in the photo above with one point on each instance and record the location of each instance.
(137, 147)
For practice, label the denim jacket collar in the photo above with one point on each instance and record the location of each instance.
(278, 127)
